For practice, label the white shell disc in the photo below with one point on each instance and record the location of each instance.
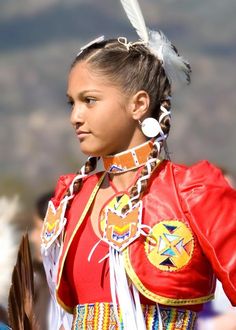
(150, 127)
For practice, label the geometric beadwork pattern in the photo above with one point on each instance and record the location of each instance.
(120, 230)
(170, 246)
(101, 316)
(94, 316)
(116, 203)
(54, 223)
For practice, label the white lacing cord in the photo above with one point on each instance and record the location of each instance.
(142, 178)
(79, 176)
(93, 249)
(82, 175)
(165, 113)
(160, 323)
(157, 141)
(113, 284)
(142, 232)
(124, 41)
(130, 305)
(121, 293)
(138, 309)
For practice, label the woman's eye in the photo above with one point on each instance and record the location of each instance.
(71, 103)
(90, 100)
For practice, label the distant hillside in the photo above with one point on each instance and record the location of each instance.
(38, 40)
(27, 23)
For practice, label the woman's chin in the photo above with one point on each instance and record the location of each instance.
(90, 151)
(95, 150)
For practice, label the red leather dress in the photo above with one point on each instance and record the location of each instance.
(192, 212)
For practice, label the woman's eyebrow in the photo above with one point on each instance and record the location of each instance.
(85, 92)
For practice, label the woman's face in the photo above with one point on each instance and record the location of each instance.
(100, 113)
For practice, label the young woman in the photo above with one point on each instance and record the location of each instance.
(134, 241)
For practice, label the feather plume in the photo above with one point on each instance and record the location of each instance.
(135, 16)
(176, 68)
(20, 302)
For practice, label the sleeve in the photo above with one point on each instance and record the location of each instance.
(210, 206)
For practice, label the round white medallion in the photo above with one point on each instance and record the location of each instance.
(150, 127)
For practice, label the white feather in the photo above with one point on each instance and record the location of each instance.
(175, 66)
(135, 16)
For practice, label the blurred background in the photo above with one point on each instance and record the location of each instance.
(38, 42)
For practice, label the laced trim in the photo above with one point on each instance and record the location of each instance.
(160, 139)
(165, 113)
(147, 176)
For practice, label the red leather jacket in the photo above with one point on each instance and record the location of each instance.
(192, 211)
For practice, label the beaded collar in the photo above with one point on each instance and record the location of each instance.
(129, 159)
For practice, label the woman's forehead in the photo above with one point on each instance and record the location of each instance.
(82, 71)
(84, 77)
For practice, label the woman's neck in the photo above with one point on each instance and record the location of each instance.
(123, 180)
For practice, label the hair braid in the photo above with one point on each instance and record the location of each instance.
(165, 122)
(88, 167)
(142, 182)
(145, 174)
(165, 125)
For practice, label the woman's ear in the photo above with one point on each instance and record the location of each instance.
(139, 105)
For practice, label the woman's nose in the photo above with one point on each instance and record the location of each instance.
(76, 115)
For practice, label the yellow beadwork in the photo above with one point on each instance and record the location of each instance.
(173, 247)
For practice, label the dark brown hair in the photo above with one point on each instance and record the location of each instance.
(133, 69)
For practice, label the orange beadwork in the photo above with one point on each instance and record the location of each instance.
(129, 159)
(122, 229)
(53, 223)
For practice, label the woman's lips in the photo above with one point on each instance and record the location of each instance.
(81, 134)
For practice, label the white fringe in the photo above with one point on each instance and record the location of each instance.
(131, 311)
(57, 316)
